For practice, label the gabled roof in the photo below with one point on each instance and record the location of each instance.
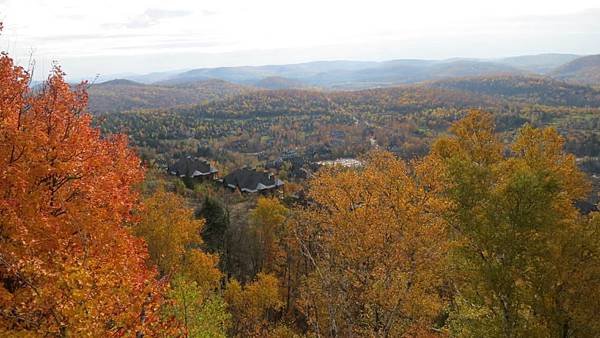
(191, 167)
(249, 180)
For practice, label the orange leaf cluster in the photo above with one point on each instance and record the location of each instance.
(67, 264)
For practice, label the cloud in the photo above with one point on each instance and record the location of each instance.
(207, 12)
(155, 13)
(78, 37)
(171, 44)
(153, 16)
(588, 19)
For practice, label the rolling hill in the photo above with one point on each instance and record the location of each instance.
(541, 63)
(121, 95)
(397, 72)
(584, 70)
(530, 89)
(509, 78)
(341, 123)
(278, 82)
(251, 74)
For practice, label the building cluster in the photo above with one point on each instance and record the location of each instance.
(250, 180)
(244, 179)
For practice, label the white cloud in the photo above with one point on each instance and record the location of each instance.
(153, 16)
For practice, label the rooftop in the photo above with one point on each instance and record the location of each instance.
(192, 167)
(250, 180)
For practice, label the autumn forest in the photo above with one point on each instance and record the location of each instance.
(464, 206)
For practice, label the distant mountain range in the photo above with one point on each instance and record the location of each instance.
(159, 90)
(343, 74)
(364, 74)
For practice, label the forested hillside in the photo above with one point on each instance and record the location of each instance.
(540, 90)
(584, 70)
(278, 82)
(540, 63)
(403, 119)
(121, 95)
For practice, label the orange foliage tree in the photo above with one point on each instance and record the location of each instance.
(67, 264)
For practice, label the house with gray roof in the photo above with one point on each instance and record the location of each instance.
(252, 181)
(191, 167)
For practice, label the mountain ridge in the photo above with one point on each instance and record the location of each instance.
(347, 74)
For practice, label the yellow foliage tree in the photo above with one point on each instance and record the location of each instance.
(267, 222)
(252, 304)
(173, 237)
(516, 228)
(376, 244)
(169, 229)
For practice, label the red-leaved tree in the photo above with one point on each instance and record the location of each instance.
(68, 266)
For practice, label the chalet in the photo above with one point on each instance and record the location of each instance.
(252, 181)
(193, 168)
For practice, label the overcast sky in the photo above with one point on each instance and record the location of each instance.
(135, 36)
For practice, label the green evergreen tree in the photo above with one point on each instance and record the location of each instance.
(217, 223)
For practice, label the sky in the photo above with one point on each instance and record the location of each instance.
(110, 37)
